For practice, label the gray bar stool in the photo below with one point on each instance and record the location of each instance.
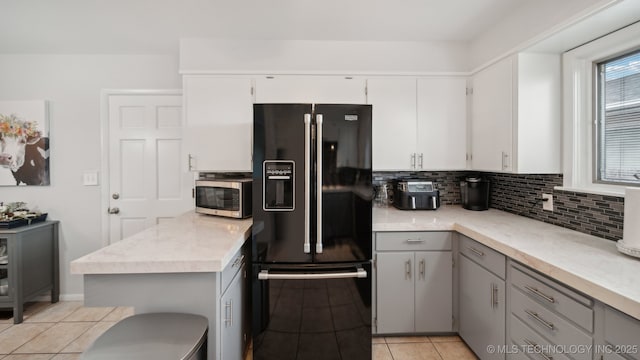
(157, 336)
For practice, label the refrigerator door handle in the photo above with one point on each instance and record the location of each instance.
(307, 183)
(359, 273)
(319, 119)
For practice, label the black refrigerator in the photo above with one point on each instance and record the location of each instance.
(311, 239)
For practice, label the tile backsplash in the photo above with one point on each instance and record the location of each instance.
(598, 215)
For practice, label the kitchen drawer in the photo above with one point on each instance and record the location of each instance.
(623, 331)
(531, 343)
(410, 241)
(547, 323)
(554, 296)
(483, 255)
(231, 270)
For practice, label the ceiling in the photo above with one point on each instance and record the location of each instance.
(155, 26)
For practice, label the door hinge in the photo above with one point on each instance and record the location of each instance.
(469, 91)
(375, 322)
(366, 90)
(193, 193)
(453, 262)
(252, 91)
(375, 263)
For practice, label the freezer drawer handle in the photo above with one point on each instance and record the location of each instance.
(265, 275)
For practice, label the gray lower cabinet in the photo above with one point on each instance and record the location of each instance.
(621, 336)
(556, 318)
(234, 332)
(231, 321)
(414, 291)
(31, 266)
(481, 298)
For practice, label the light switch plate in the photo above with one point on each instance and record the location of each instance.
(90, 178)
(548, 204)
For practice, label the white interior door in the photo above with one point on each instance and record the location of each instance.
(147, 181)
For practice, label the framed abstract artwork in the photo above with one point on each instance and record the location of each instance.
(24, 143)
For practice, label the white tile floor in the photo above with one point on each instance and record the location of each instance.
(62, 331)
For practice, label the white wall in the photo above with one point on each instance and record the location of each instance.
(532, 22)
(325, 57)
(72, 85)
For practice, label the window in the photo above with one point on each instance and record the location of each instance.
(617, 125)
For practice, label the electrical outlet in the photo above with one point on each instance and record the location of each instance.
(548, 203)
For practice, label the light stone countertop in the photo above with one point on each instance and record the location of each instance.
(201, 243)
(188, 243)
(587, 263)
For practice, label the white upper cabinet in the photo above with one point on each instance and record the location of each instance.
(394, 117)
(442, 123)
(219, 122)
(516, 115)
(418, 124)
(310, 89)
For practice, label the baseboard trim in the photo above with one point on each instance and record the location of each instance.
(63, 297)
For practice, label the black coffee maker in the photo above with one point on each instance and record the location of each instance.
(474, 193)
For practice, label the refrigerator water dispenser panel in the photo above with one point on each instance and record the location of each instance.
(279, 185)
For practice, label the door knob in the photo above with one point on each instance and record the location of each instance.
(115, 196)
(114, 210)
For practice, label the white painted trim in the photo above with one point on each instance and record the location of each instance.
(578, 109)
(321, 73)
(104, 147)
(594, 190)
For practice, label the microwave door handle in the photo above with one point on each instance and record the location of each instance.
(434, 203)
(307, 183)
(319, 119)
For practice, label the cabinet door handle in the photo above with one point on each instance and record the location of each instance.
(420, 160)
(531, 343)
(423, 268)
(505, 161)
(494, 296)
(540, 294)
(239, 260)
(228, 309)
(542, 321)
(407, 269)
(413, 160)
(475, 251)
(190, 159)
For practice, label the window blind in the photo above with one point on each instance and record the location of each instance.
(618, 120)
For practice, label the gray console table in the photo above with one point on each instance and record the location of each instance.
(32, 267)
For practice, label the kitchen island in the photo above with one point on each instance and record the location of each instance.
(184, 264)
(193, 264)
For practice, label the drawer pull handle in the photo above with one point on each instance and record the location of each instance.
(540, 294)
(542, 321)
(475, 251)
(415, 240)
(531, 343)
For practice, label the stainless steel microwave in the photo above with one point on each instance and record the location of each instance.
(224, 197)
